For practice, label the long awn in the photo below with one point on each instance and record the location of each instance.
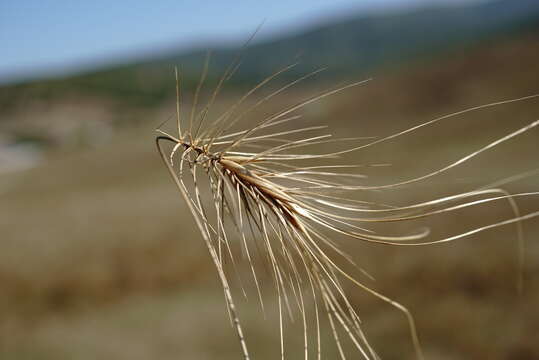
(268, 198)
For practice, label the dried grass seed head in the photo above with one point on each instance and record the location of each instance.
(277, 203)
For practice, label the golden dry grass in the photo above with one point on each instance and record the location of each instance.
(92, 264)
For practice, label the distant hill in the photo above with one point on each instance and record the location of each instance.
(355, 46)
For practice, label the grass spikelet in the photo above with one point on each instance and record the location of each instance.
(264, 194)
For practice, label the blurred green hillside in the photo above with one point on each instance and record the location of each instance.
(357, 46)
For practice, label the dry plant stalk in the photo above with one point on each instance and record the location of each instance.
(262, 190)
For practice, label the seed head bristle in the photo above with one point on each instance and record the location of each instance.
(277, 203)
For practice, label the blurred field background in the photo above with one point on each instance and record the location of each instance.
(100, 259)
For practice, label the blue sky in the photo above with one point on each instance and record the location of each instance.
(54, 36)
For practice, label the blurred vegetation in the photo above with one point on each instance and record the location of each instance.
(100, 259)
(350, 48)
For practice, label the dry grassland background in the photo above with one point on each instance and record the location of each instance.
(100, 259)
